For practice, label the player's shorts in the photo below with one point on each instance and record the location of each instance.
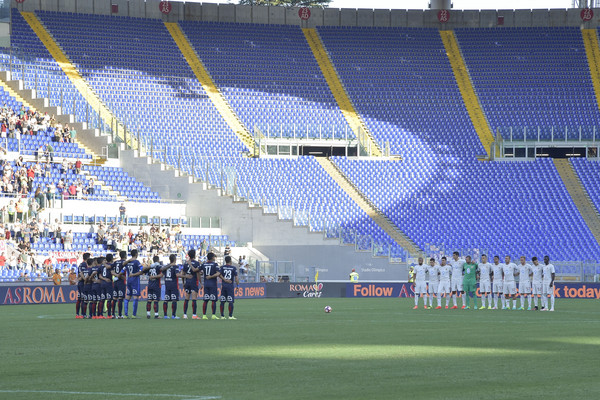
(469, 286)
(210, 293)
(107, 290)
(228, 293)
(536, 288)
(485, 287)
(97, 294)
(456, 286)
(547, 290)
(191, 286)
(87, 290)
(171, 293)
(119, 289)
(433, 287)
(510, 288)
(153, 293)
(420, 287)
(524, 287)
(444, 287)
(133, 288)
(498, 287)
(80, 292)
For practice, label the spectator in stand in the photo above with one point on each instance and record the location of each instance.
(11, 210)
(77, 166)
(122, 211)
(2, 261)
(72, 277)
(49, 154)
(68, 241)
(56, 277)
(72, 192)
(19, 208)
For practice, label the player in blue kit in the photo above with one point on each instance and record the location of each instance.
(190, 272)
(210, 271)
(228, 274)
(81, 303)
(87, 288)
(96, 287)
(119, 287)
(154, 273)
(107, 286)
(172, 275)
(134, 270)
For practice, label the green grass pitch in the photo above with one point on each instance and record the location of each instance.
(291, 349)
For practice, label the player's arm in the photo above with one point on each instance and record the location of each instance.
(552, 281)
(237, 280)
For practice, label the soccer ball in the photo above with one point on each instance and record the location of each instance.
(327, 309)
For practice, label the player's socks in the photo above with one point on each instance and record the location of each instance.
(204, 305)
(529, 302)
(467, 301)
(522, 301)
(156, 307)
(416, 299)
(77, 307)
(93, 309)
(120, 307)
(482, 301)
(84, 308)
(454, 300)
(101, 309)
(174, 308)
(552, 302)
(439, 301)
(165, 305)
(135, 306)
(185, 306)
(194, 307)
(447, 300)
(214, 307)
(126, 306)
(489, 300)
(230, 310)
(514, 303)
(222, 309)
(148, 308)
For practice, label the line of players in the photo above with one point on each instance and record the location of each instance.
(115, 283)
(496, 281)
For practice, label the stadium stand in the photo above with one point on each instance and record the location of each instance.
(532, 77)
(401, 83)
(588, 173)
(269, 76)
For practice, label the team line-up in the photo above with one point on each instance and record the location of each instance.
(496, 281)
(114, 283)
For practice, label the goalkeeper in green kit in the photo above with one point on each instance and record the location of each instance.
(470, 281)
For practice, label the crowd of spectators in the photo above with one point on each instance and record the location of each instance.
(28, 122)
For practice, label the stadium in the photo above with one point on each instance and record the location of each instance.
(308, 199)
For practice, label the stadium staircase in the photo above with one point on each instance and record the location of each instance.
(368, 207)
(467, 91)
(579, 195)
(75, 77)
(209, 86)
(592, 50)
(340, 94)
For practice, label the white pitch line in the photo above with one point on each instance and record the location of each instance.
(147, 395)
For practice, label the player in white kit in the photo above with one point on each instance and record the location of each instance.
(444, 287)
(420, 283)
(498, 288)
(548, 275)
(434, 281)
(510, 290)
(484, 270)
(524, 283)
(536, 284)
(456, 284)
